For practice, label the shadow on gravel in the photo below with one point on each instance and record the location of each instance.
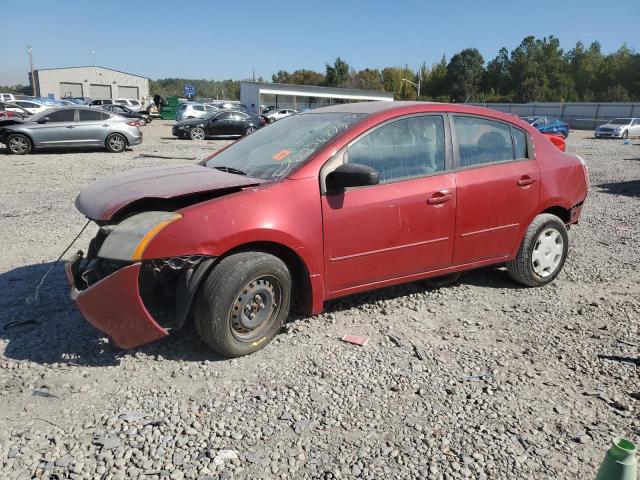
(490, 277)
(52, 330)
(630, 188)
(617, 358)
(57, 151)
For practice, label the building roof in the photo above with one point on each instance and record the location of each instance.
(90, 66)
(312, 90)
(367, 107)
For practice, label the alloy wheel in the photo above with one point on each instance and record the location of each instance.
(547, 252)
(116, 142)
(197, 134)
(19, 145)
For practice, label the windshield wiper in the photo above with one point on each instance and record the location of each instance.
(231, 170)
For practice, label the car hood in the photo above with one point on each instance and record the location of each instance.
(168, 187)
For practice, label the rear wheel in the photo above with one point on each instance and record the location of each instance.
(243, 303)
(250, 130)
(116, 143)
(197, 133)
(625, 134)
(18, 144)
(542, 253)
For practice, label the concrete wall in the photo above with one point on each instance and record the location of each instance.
(48, 81)
(581, 116)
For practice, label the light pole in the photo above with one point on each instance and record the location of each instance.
(417, 85)
(33, 80)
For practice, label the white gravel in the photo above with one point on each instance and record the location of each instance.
(481, 380)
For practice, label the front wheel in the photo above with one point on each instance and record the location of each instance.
(250, 130)
(116, 143)
(18, 144)
(197, 133)
(625, 134)
(243, 303)
(542, 253)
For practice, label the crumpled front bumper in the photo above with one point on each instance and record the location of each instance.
(113, 305)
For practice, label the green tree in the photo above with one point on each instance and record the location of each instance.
(337, 74)
(436, 86)
(368, 79)
(464, 74)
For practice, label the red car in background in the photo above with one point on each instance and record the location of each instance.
(320, 205)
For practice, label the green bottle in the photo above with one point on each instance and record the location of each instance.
(620, 462)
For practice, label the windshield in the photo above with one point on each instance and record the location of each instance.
(620, 121)
(274, 151)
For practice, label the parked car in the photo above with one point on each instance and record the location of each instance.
(278, 114)
(189, 110)
(548, 125)
(100, 102)
(30, 106)
(220, 123)
(70, 127)
(619, 128)
(319, 205)
(126, 112)
(131, 103)
(7, 97)
(14, 111)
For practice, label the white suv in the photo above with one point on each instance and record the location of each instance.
(130, 103)
(192, 110)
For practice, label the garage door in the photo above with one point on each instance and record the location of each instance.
(100, 91)
(128, 92)
(70, 90)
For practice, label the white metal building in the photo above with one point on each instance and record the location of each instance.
(94, 82)
(302, 97)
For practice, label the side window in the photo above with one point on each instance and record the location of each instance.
(199, 108)
(407, 148)
(224, 116)
(61, 116)
(519, 143)
(89, 115)
(481, 141)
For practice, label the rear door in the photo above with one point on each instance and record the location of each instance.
(498, 184)
(221, 125)
(401, 227)
(238, 123)
(92, 127)
(58, 131)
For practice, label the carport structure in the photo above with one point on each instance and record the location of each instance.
(302, 97)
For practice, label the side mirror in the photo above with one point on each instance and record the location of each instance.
(43, 120)
(351, 175)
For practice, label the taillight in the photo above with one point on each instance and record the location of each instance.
(133, 124)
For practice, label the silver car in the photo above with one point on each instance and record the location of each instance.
(619, 128)
(70, 127)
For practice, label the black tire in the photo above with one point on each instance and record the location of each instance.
(116, 143)
(250, 130)
(197, 133)
(19, 144)
(521, 268)
(219, 311)
(625, 134)
(442, 281)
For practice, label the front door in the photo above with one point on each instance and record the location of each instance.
(220, 125)
(498, 184)
(58, 131)
(401, 227)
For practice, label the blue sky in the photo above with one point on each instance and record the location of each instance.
(218, 40)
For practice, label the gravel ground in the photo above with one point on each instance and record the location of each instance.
(480, 380)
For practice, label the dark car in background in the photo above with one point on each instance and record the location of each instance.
(221, 123)
(70, 127)
(548, 125)
(126, 112)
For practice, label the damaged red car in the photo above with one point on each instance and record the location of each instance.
(321, 205)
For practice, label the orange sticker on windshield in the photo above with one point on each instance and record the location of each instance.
(281, 155)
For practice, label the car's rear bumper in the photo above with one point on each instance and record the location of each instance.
(134, 138)
(113, 305)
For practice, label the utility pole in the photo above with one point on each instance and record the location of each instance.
(33, 80)
(417, 85)
(93, 57)
(253, 72)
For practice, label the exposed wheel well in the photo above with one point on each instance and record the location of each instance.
(301, 295)
(560, 212)
(23, 134)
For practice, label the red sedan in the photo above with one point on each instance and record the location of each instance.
(317, 206)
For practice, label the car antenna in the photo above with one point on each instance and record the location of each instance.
(35, 297)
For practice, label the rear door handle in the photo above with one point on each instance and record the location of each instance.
(440, 197)
(526, 181)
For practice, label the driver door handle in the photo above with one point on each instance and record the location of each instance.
(440, 197)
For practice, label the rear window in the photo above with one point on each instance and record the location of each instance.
(121, 102)
(89, 115)
(482, 141)
(135, 102)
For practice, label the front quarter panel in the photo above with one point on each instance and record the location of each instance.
(287, 212)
